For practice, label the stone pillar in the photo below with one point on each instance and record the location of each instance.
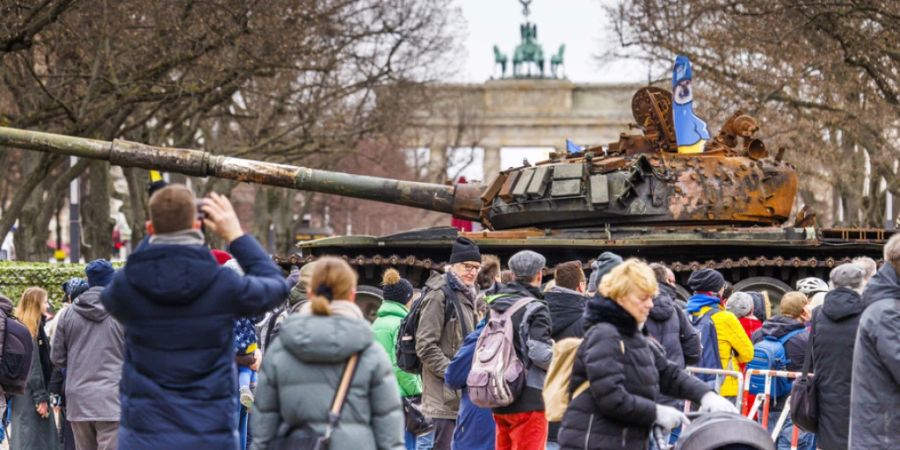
(490, 163)
(437, 163)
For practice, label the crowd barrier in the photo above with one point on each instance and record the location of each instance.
(765, 400)
(724, 373)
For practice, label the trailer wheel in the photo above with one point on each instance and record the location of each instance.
(773, 286)
(369, 299)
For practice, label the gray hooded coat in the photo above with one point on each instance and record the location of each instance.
(301, 371)
(96, 342)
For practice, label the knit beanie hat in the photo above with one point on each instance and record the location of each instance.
(526, 264)
(740, 304)
(99, 272)
(221, 256)
(233, 265)
(464, 250)
(395, 288)
(73, 287)
(706, 280)
(604, 264)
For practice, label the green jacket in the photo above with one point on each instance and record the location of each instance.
(386, 328)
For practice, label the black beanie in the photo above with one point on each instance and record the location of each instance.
(706, 280)
(464, 250)
(395, 288)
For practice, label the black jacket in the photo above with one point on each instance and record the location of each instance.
(669, 325)
(534, 350)
(794, 348)
(566, 312)
(834, 327)
(876, 366)
(626, 375)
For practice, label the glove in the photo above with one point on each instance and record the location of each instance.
(712, 402)
(669, 417)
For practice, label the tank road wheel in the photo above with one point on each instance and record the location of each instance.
(369, 299)
(773, 286)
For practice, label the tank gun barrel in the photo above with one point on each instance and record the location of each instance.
(462, 200)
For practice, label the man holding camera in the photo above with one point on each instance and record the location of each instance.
(178, 379)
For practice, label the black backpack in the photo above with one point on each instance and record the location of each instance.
(405, 349)
(15, 362)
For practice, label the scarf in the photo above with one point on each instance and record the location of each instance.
(458, 286)
(182, 237)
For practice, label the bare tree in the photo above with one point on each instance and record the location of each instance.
(822, 77)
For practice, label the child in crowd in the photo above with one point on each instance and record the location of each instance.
(245, 343)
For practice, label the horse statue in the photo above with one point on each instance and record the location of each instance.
(500, 58)
(557, 60)
(528, 51)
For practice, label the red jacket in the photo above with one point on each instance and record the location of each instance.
(750, 324)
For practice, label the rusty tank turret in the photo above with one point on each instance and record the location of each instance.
(725, 208)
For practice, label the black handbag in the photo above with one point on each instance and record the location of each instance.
(804, 399)
(416, 422)
(308, 439)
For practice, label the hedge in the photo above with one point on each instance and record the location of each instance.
(16, 276)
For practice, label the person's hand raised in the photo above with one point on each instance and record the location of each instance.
(220, 217)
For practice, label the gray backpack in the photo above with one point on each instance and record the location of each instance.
(498, 375)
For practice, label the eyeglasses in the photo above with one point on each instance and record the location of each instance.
(471, 267)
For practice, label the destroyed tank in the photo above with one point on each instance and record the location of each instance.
(726, 208)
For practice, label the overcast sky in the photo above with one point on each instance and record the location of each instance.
(580, 24)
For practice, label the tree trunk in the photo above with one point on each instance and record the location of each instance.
(136, 207)
(97, 224)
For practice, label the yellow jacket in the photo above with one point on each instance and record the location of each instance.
(733, 340)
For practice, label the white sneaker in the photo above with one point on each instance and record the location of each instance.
(246, 397)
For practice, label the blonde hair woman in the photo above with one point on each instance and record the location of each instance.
(302, 368)
(32, 423)
(624, 372)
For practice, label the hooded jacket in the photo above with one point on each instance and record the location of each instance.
(301, 372)
(669, 325)
(475, 426)
(96, 342)
(386, 328)
(875, 392)
(178, 305)
(534, 346)
(6, 310)
(566, 312)
(438, 340)
(834, 327)
(626, 375)
(734, 346)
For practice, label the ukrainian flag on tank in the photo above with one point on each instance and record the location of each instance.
(690, 131)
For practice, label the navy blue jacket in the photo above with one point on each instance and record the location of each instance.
(179, 381)
(474, 426)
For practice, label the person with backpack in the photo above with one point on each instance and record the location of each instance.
(475, 426)
(519, 322)
(271, 323)
(298, 398)
(446, 315)
(33, 426)
(668, 324)
(72, 288)
(179, 382)
(781, 344)
(624, 373)
(90, 345)
(566, 301)
(723, 341)
(832, 339)
(397, 292)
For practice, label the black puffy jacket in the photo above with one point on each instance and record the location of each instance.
(835, 325)
(566, 312)
(669, 325)
(626, 376)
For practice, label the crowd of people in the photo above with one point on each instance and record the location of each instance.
(188, 348)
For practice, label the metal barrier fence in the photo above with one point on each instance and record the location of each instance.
(765, 399)
(724, 373)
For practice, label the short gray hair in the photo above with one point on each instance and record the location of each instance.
(892, 252)
(848, 276)
(868, 264)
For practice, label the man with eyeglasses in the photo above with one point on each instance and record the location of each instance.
(447, 316)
